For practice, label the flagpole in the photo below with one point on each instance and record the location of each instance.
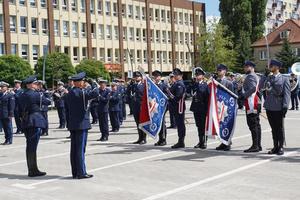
(225, 88)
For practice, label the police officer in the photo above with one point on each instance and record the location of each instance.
(294, 92)
(18, 91)
(177, 100)
(32, 121)
(102, 109)
(163, 87)
(170, 106)
(60, 104)
(114, 107)
(123, 99)
(199, 106)
(278, 96)
(7, 106)
(250, 95)
(221, 78)
(44, 91)
(138, 92)
(129, 96)
(79, 122)
(94, 113)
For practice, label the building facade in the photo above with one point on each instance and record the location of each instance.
(125, 34)
(278, 11)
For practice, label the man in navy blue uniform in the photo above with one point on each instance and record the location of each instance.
(7, 106)
(94, 113)
(199, 106)
(18, 91)
(79, 122)
(32, 122)
(42, 89)
(58, 97)
(114, 107)
(177, 100)
(170, 106)
(162, 136)
(122, 87)
(129, 96)
(138, 92)
(102, 109)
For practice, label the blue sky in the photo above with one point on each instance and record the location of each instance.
(212, 7)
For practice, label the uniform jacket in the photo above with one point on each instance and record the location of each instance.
(227, 83)
(48, 96)
(7, 105)
(250, 93)
(177, 96)
(30, 110)
(58, 98)
(18, 93)
(103, 99)
(200, 93)
(114, 101)
(279, 93)
(137, 92)
(77, 109)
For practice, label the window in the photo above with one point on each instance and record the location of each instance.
(56, 27)
(1, 23)
(168, 16)
(93, 30)
(101, 31)
(45, 26)
(297, 52)
(2, 50)
(124, 33)
(186, 38)
(163, 16)
(157, 36)
(22, 2)
(57, 48)
(100, 7)
(137, 12)
(83, 30)
(12, 21)
(55, 4)
(32, 3)
(92, 6)
(45, 49)
(131, 34)
(175, 18)
(83, 52)
(66, 50)
(143, 13)
(263, 55)
(23, 24)
(151, 14)
(170, 56)
(94, 53)
(284, 34)
(13, 2)
(157, 15)
(132, 56)
(158, 57)
(43, 3)
(180, 18)
(75, 54)
(107, 8)
(102, 54)
(186, 19)
(14, 49)
(82, 6)
(164, 36)
(64, 4)
(138, 34)
(34, 27)
(108, 32)
(35, 52)
(24, 51)
(109, 55)
(117, 55)
(130, 11)
(74, 5)
(66, 28)
(181, 58)
(164, 57)
(191, 19)
(187, 58)
(123, 10)
(144, 35)
(169, 36)
(75, 29)
(139, 56)
(116, 32)
(145, 56)
(115, 9)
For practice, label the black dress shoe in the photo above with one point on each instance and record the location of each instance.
(18, 133)
(85, 176)
(69, 137)
(143, 142)
(160, 143)
(197, 146)
(273, 151)
(260, 148)
(103, 139)
(36, 173)
(6, 143)
(171, 127)
(137, 142)
(280, 152)
(178, 145)
(252, 149)
(221, 147)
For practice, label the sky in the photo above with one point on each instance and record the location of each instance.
(212, 7)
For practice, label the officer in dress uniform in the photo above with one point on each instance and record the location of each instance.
(129, 96)
(121, 92)
(278, 96)
(44, 91)
(163, 87)
(18, 91)
(199, 106)
(60, 104)
(7, 106)
(251, 98)
(114, 107)
(138, 92)
(294, 92)
(222, 70)
(102, 109)
(171, 109)
(79, 122)
(32, 121)
(69, 87)
(123, 99)
(177, 100)
(94, 113)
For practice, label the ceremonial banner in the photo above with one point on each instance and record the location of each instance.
(153, 108)
(222, 111)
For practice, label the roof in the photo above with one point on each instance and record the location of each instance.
(274, 37)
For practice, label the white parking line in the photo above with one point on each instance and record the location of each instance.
(213, 178)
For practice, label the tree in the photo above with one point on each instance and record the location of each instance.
(93, 68)
(216, 47)
(13, 67)
(286, 55)
(258, 19)
(58, 66)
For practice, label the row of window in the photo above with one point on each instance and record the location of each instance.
(102, 32)
(263, 55)
(111, 9)
(105, 55)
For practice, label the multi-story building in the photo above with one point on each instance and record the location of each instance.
(278, 11)
(125, 34)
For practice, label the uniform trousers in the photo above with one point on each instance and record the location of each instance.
(61, 115)
(114, 119)
(276, 120)
(32, 139)
(181, 130)
(7, 128)
(255, 128)
(103, 124)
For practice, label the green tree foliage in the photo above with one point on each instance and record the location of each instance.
(58, 67)
(13, 67)
(286, 55)
(216, 48)
(258, 19)
(93, 68)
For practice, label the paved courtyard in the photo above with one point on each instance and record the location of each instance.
(123, 171)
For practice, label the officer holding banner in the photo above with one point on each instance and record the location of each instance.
(250, 95)
(278, 96)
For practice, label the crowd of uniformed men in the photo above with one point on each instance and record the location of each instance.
(81, 97)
